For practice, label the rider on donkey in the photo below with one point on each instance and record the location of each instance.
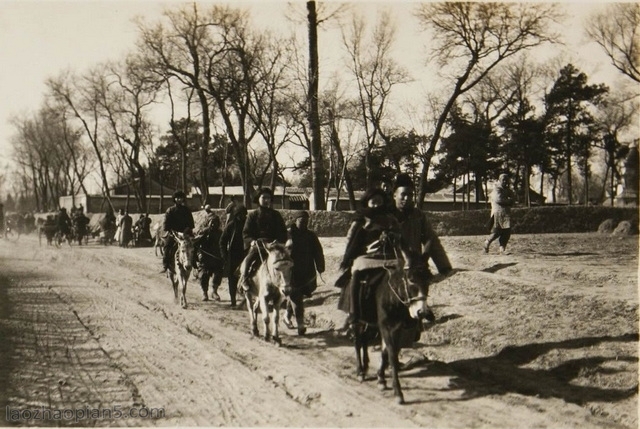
(178, 218)
(417, 233)
(263, 224)
(372, 223)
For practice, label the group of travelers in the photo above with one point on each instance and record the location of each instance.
(20, 223)
(386, 210)
(232, 248)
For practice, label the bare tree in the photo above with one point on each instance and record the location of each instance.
(81, 95)
(376, 73)
(317, 166)
(131, 89)
(617, 30)
(471, 39)
(177, 49)
(51, 159)
(268, 106)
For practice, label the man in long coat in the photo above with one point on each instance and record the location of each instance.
(308, 257)
(232, 248)
(502, 198)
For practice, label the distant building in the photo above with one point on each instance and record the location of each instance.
(289, 197)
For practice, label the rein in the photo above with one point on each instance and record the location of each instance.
(179, 253)
(263, 262)
(407, 303)
(210, 254)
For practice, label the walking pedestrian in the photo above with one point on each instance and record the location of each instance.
(502, 199)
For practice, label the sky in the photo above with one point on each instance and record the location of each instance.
(40, 39)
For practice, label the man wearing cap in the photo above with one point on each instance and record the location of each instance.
(178, 218)
(308, 257)
(416, 230)
(210, 216)
(262, 224)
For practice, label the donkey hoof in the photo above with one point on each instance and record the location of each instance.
(382, 385)
(255, 332)
(277, 341)
(361, 378)
(400, 400)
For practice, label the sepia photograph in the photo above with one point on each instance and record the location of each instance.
(319, 214)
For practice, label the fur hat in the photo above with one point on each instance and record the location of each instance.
(403, 180)
(240, 211)
(262, 191)
(265, 191)
(372, 192)
(179, 194)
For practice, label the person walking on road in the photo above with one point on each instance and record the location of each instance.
(308, 257)
(502, 199)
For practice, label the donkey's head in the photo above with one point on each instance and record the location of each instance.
(279, 266)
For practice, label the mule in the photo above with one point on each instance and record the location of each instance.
(181, 269)
(270, 284)
(393, 302)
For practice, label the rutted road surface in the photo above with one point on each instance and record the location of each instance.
(96, 328)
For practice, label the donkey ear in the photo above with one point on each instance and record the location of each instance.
(406, 258)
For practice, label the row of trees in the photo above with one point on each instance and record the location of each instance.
(234, 99)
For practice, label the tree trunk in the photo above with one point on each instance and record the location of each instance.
(317, 168)
(335, 142)
(204, 147)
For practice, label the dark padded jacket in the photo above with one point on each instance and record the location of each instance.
(178, 218)
(264, 223)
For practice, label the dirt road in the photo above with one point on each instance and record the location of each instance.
(544, 337)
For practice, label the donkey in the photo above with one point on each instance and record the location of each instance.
(392, 304)
(181, 270)
(269, 286)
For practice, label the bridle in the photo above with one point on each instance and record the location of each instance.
(386, 240)
(284, 259)
(181, 253)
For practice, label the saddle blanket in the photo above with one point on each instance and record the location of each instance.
(366, 262)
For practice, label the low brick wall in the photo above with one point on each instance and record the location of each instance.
(537, 220)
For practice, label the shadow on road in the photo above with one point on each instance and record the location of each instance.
(506, 373)
(497, 267)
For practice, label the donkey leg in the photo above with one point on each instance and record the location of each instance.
(174, 285)
(183, 291)
(384, 364)
(253, 321)
(359, 369)
(392, 353)
(359, 341)
(264, 309)
(365, 358)
(276, 321)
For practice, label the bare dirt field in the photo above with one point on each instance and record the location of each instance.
(546, 336)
